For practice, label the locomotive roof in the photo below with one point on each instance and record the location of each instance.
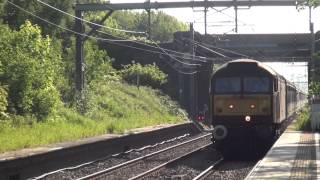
(261, 65)
(251, 61)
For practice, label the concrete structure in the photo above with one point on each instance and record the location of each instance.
(31, 162)
(294, 156)
(262, 47)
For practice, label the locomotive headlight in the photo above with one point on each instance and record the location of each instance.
(231, 106)
(252, 106)
(247, 118)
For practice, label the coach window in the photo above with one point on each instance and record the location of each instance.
(256, 84)
(227, 85)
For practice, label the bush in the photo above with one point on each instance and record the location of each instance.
(29, 66)
(148, 75)
(303, 122)
(98, 64)
(3, 100)
(314, 88)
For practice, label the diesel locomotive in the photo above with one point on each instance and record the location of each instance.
(249, 100)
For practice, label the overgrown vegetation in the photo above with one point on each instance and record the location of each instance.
(29, 67)
(3, 101)
(314, 86)
(114, 107)
(303, 121)
(38, 102)
(148, 75)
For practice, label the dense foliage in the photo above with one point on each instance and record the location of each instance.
(114, 107)
(30, 66)
(3, 101)
(162, 25)
(314, 86)
(38, 102)
(148, 75)
(303, 122)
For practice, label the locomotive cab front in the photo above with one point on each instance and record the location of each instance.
(241, 101)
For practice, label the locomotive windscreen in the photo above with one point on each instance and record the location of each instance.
(228, 85)
(256, 84)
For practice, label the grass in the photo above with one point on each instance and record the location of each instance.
(112, 108)
(303, 122)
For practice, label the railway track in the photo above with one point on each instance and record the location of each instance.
(137, 167)
(208, 171)
(175, 160)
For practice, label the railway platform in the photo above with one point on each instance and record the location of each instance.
(33, 162)
(295, 155)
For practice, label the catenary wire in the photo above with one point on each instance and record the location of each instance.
(66, 29)
(213, 51)
(244, 23)
(112, 41)
(172, 56)
(222, 49)
(89, 22)
(59, 10)
(195, 58)
(217, 11)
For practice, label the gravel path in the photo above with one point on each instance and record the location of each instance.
(111, 161)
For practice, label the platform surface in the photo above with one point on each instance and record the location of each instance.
(28, 152)
(294, 156)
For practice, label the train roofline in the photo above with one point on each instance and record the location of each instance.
(260, 65)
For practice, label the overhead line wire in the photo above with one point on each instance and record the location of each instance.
(72, 31)
(217, 11)
(99, 25)
(125, 40)
(172, 56)
(59, 10)
(222, 49)
(213, 51)
(197, 58)
(112, 41)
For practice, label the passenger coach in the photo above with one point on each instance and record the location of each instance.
(250, 100)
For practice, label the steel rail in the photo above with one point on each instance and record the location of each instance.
(167, 163)
(114, 155)
(206, 172)
(113, 168)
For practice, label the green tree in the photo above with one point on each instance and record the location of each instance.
(30, 65)
(148, 75)
(15, 17)
(314, 88)
(162, 25)
(313, 3)
(98, 63)
(3, 100)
